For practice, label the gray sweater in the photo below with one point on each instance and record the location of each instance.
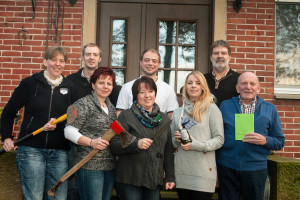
(93, 122)
(143, 168)
(196, 169)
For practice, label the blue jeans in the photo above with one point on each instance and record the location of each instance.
(249, 185)
(39, 170)
(95, 185)
(131, 192)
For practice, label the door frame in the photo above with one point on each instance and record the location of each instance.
(89, 32)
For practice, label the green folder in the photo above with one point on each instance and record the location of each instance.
(244, 123)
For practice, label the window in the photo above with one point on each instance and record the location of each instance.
(177, 47)
(119, 42)
(287, 80)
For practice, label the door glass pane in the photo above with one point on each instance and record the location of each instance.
(167, 32)
(181, 79)
(119, 30)
(187, 33)
(120, 78)
(167, 76)
(118, 55)
(186, 57)
(167, 54)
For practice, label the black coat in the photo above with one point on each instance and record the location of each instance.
(41, 104)
(84, 88)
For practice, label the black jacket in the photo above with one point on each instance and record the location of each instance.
(224, 88)
(41, 104)
(84, 88)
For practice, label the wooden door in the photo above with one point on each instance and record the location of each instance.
(181, 33)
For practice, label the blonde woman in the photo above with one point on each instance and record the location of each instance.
(195, 165)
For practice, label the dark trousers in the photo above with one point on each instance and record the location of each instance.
(131, 192)
(249, 185)
(185, 194)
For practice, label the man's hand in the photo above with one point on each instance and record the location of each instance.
(255, 138)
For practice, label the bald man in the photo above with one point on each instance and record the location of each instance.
(242, 164)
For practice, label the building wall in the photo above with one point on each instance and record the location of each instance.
(20, 57)
(251, 33)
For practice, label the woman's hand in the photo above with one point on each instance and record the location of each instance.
(177, 136)
(170, 185)
(49, 126)
(99, 144)
(144, 143)
(9, 145)
(188, 146)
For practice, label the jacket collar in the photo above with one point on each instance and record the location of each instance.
(237, 104)
(40, 77)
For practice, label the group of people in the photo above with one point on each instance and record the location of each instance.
(189, 154)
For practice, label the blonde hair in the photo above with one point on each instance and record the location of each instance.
(205, 99)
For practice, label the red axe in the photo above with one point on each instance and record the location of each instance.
(115, 128)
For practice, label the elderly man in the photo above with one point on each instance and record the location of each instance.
(242, 164)
(166, 98)
(221, 80)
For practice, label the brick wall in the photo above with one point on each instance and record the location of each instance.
(23, 40)
(20, 57)
(251, 33)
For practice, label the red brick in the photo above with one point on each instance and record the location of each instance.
(296, 155)
(247, 49)
(292, 149)
(255, 32)
(236, 21)
(292, 114)
(255, 10)
(11, 76)
(231, 26)
(264, 50)
(256, 21)
(266, 96)
(246, 38)
(268, 62)
(21, 71)
(11, 65)
(286, 120)
(236, 32)
(11, 53)
(290, 155)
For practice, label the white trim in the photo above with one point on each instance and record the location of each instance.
(287, 0)
(287, 93)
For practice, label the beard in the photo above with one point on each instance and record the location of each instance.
(220, 67)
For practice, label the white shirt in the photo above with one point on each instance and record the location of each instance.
(166, 98)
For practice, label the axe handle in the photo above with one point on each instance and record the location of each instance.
(107, 136)
(16, 143)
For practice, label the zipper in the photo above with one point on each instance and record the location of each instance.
(50, 106)
(29, 123)
(217, 82)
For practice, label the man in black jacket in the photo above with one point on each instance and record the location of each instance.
(91, 54)
(221, 80)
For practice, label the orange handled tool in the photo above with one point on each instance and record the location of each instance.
(60, 119)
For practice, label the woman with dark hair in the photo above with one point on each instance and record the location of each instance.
(46, 95)
(140, 166)
(91, 118)
(195, 162)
